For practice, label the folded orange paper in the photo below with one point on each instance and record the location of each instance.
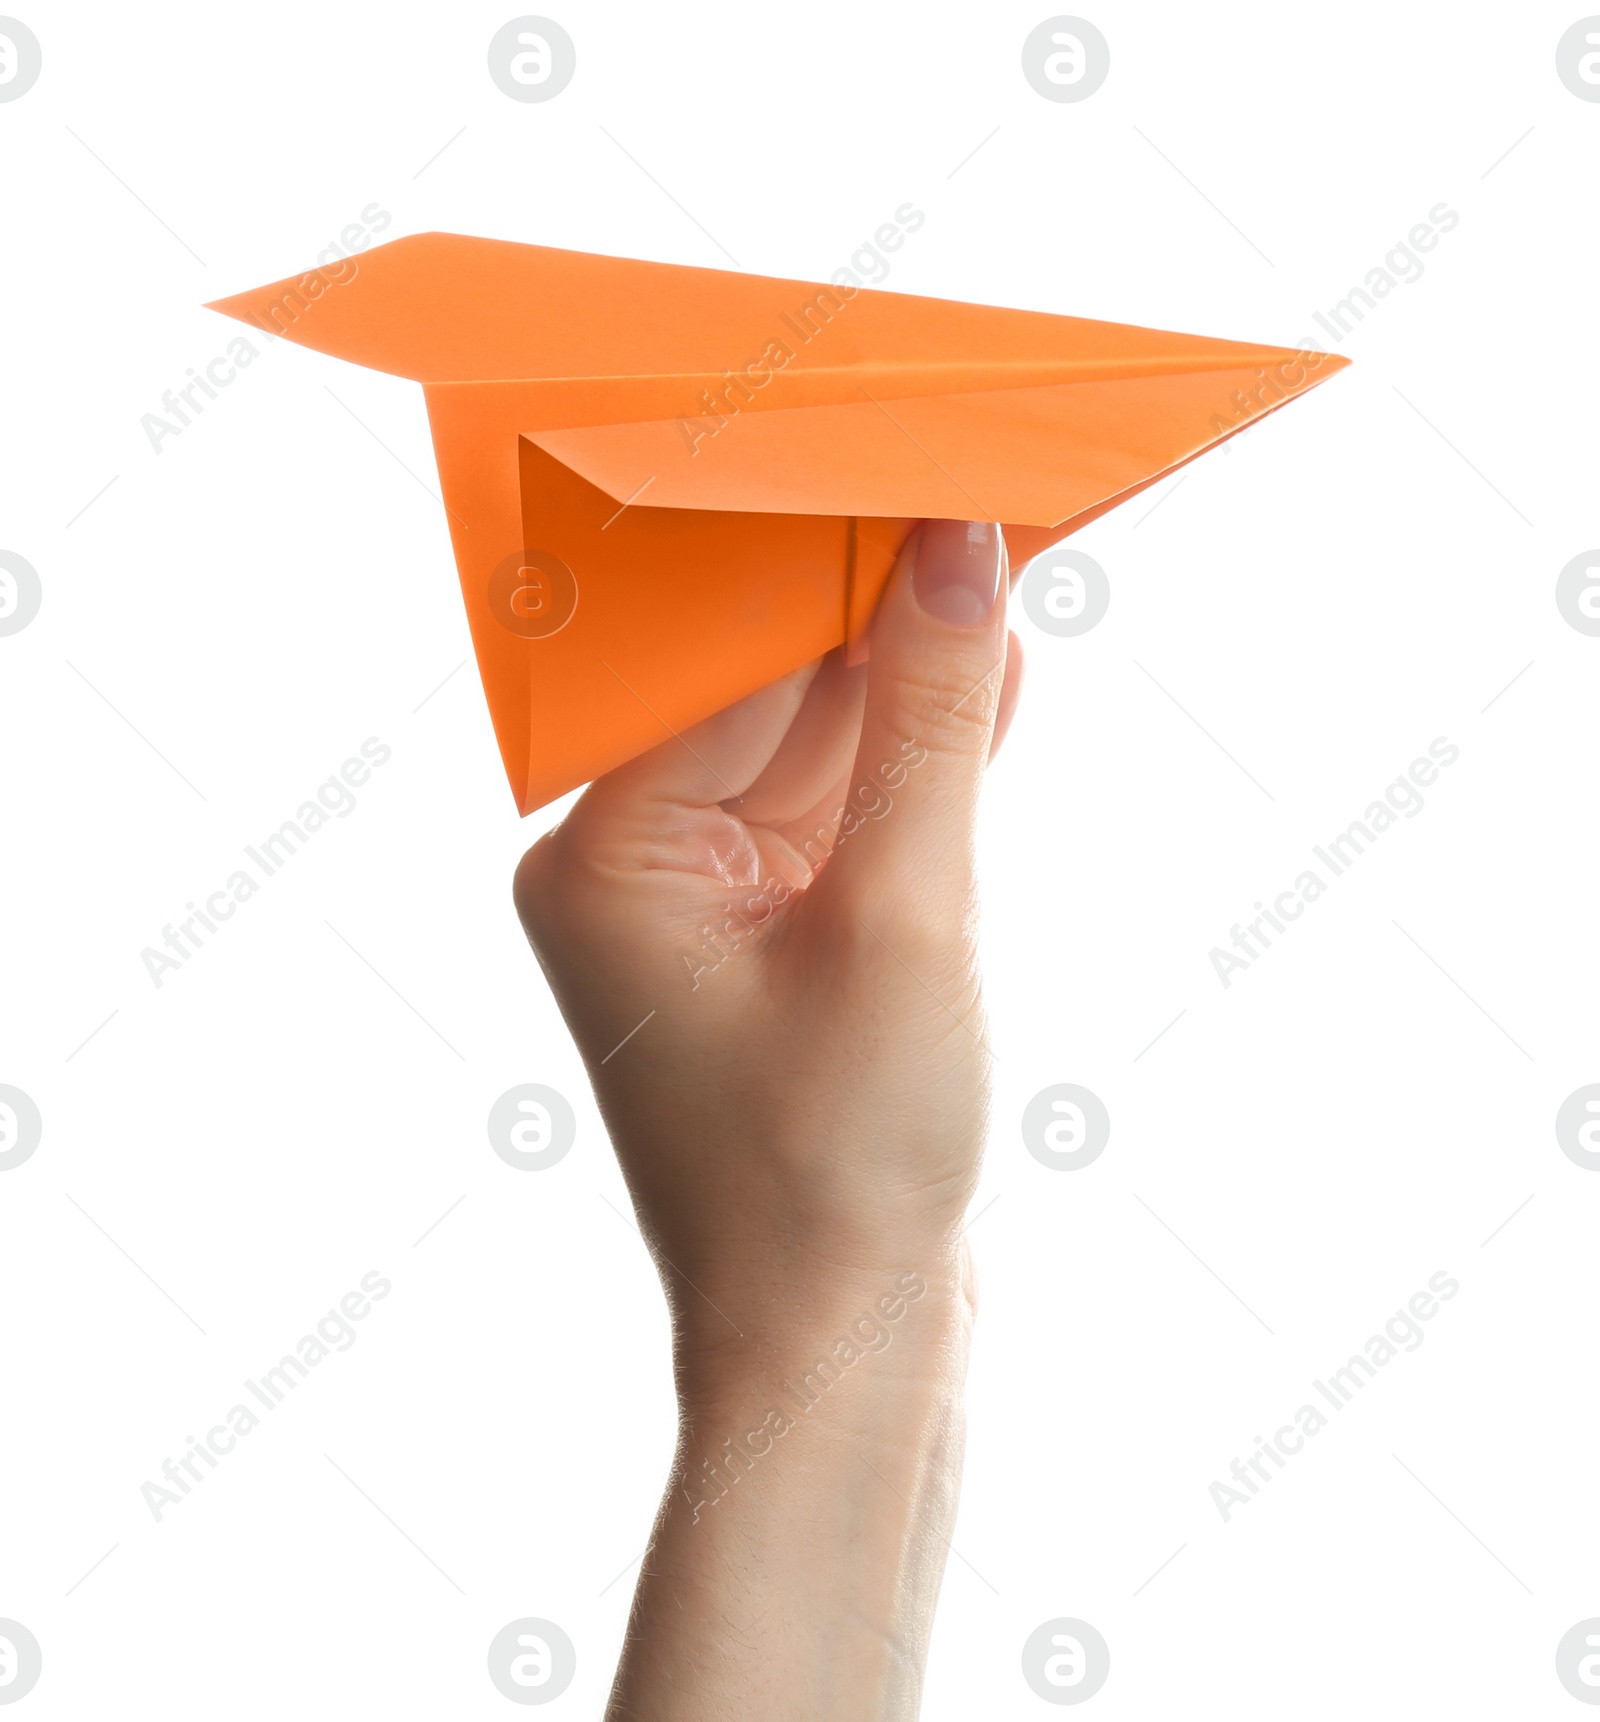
(667, 487)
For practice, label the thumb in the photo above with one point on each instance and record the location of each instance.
(904, 845)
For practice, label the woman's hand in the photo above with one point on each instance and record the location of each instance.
(762, 936)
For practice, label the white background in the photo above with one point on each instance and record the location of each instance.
(1363, 1107)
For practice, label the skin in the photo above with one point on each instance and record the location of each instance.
(789, 887)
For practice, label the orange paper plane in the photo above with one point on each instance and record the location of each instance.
(667, 487)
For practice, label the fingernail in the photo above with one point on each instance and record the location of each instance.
(960, 564)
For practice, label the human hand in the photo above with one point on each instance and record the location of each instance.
(762, 936)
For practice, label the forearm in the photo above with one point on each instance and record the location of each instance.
(799, 1549)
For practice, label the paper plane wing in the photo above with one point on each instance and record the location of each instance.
(667, 487)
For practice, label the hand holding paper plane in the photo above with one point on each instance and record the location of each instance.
(667, 486)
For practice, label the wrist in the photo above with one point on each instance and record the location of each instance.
(820, 1460)
(854, 1337)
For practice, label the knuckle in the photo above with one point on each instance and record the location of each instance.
(536, 890)
(927, 938)
(949, 709)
